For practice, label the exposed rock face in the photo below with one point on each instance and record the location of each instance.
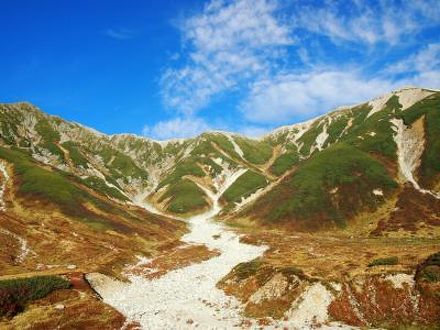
(386, 301)
(274, 288)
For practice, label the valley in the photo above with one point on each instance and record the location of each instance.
(332, 223)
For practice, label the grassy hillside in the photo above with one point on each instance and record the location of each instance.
(328, 188)
(183, 197)
(243, 187)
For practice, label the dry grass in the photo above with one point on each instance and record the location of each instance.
(81, 310)
(179, 257)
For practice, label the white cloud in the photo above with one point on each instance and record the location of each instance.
(284, 97)
(245, 46)
(254, 131)
(176, 128)
(229, 43)
(424, 61)
(368, 22)
(290, 96)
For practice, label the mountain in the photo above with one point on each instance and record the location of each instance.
(76, 200)
(321, 173)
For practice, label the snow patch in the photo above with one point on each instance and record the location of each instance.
(5, 178)
(186, 297)
(410, 96)
(399, 280)
(378, 104)
(237, 148)
(378, 192)
(410, 146)
(311, 307)
(321, 138)
(246, 200)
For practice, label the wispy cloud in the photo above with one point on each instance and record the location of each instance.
(278, 57)
(368, 22)
(229, 43)
(425, 60)
(285, 96)
(176, 128)
(120, 34)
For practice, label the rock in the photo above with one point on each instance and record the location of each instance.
(60, 307)
(273, 289)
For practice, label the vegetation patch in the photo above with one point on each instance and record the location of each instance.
(375, 134)
(75, 154)
(34, 180)
(333, 184)
(224, 143)
(284, 162)
(121, 166)
(55, 187)
(255, 152)
(185, 196)
(99, 185)
(335, 129)
(429, 270)
(247, 269)
(388, 261)
(50, 137)
(309, 138)
(187, 167)
(15, 294)
(244, 186)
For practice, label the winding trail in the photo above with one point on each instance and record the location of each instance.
(186, 297)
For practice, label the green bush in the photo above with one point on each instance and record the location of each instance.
(15, 294)
(430, 269)
(247, 269)
(384, 261)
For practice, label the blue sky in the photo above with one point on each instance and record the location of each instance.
(176, 68)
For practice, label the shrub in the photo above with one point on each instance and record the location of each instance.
(429, 270)
(247, 269)
(15, 294)
(384, 261)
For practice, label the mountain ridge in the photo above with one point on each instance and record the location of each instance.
(357, 187)
(136, 165)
